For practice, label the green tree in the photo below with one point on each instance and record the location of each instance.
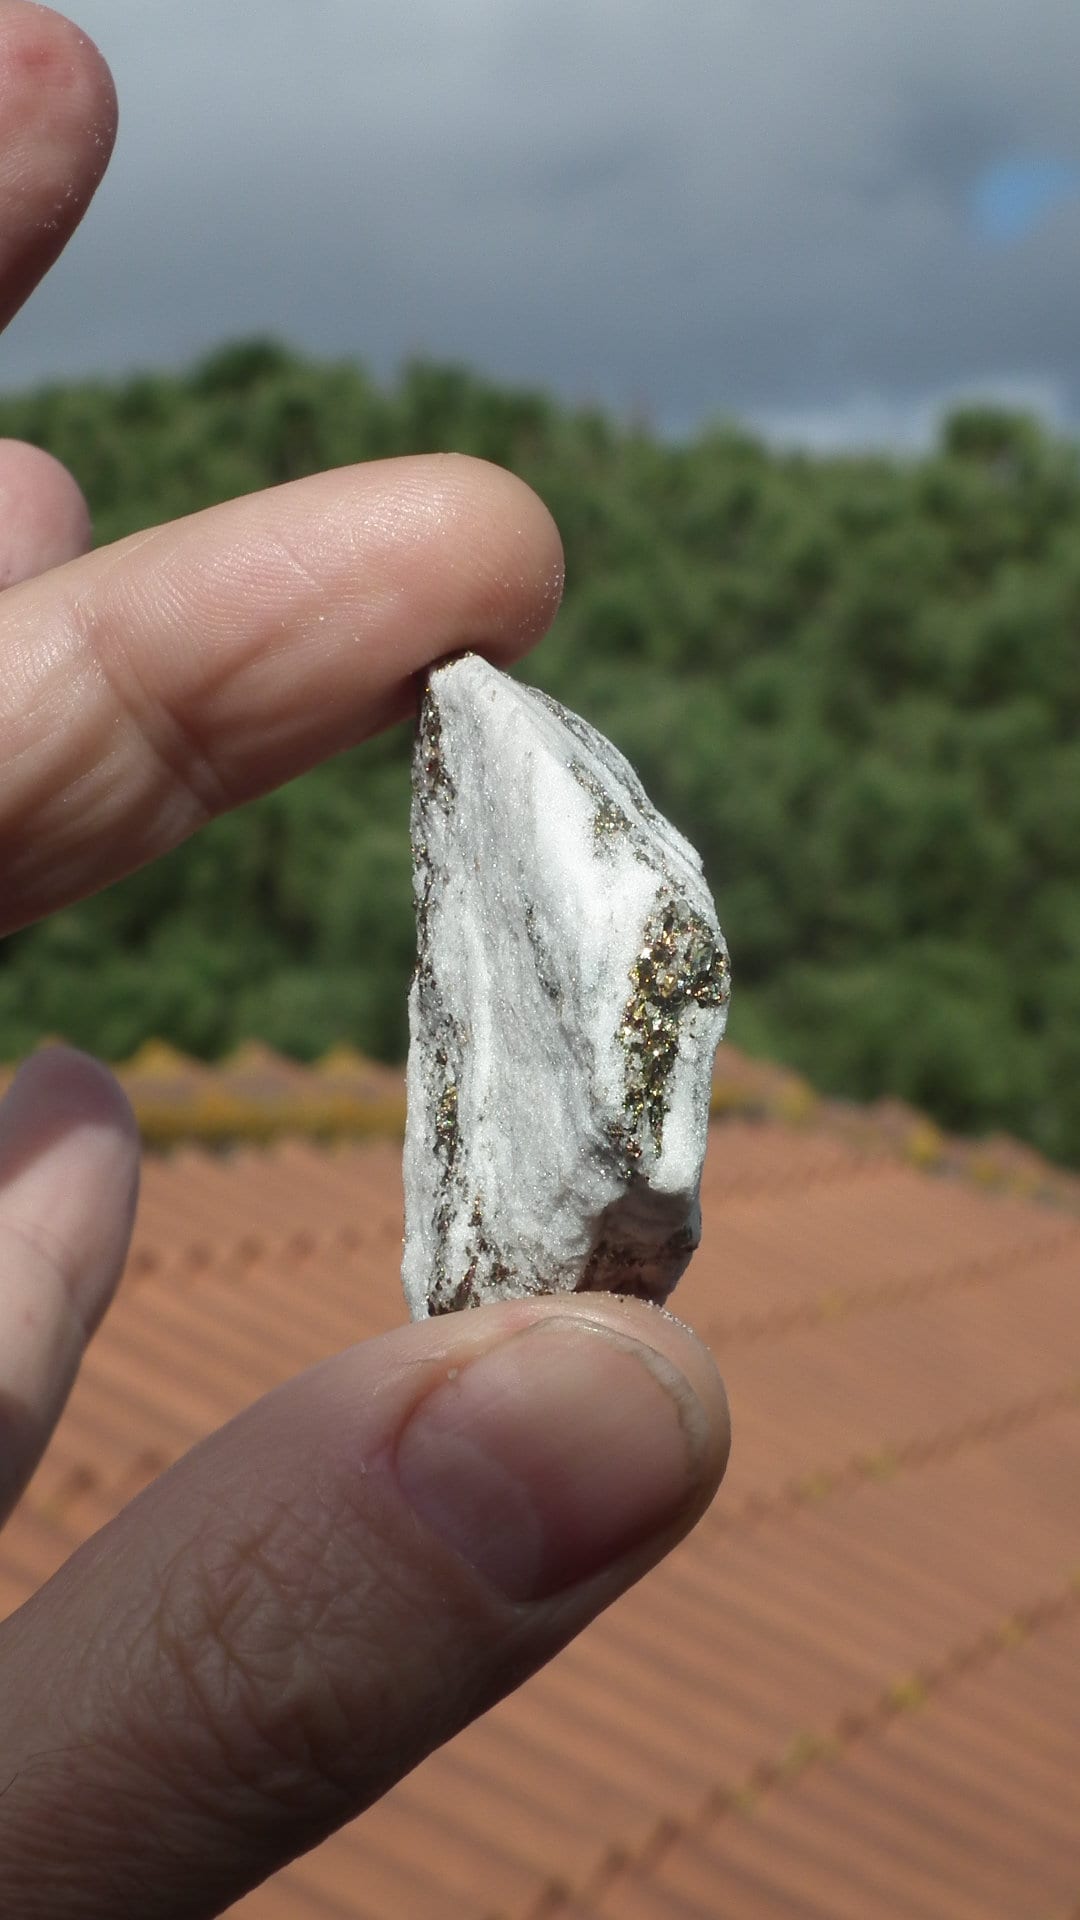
(853, 682)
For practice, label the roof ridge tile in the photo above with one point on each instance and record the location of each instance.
(269, 1093)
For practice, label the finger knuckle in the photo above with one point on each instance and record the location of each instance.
(240, 1642)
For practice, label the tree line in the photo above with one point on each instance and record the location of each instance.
(853, 681)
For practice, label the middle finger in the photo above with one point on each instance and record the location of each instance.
(57, 125)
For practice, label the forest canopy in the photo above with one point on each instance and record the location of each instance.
(853, 681)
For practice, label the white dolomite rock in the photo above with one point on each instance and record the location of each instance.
(570, 991)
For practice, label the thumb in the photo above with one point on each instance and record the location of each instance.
(332, 1585)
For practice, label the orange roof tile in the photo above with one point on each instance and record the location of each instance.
(854, 1691)
(257, 1094)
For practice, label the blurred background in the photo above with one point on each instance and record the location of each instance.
(776, 308)
(774, 303)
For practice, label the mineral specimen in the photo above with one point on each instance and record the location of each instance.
(571, 987)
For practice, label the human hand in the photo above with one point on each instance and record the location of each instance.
(312, 1599)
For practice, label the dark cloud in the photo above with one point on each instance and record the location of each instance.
(762, 209)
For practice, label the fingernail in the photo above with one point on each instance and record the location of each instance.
(548, 1458)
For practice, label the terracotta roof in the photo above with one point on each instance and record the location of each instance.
(855, 1691)
(259, 1095)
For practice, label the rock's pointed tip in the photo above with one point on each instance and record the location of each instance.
(468, 657)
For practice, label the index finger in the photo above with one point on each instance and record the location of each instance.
(149, 686)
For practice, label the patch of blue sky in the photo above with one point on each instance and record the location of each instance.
(1012, 196)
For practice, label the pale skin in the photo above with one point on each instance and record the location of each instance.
(291, 1618)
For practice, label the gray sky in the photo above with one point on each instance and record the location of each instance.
(824, 217)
